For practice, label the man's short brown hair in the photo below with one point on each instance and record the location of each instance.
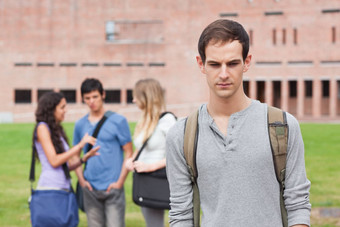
(223, 31)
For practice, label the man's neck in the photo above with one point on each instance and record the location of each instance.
(219, 107)
(96, 115)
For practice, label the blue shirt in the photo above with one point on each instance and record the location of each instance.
(104, 169)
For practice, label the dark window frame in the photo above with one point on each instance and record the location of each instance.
(24, 98)
(113, 96)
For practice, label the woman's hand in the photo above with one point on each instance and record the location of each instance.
(91, 153)
(141, 167)
(87, 139)
(129, 164)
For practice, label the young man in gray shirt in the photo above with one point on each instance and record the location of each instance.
(236, 177)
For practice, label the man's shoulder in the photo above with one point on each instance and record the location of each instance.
(116, 117)
(81, 121)
(177, 130)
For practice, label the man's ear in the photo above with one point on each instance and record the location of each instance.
(104, 95)
(247, 63)
(200, 64)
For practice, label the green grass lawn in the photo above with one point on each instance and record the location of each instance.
(322, 144)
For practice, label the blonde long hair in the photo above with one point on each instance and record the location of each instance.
(151, 97)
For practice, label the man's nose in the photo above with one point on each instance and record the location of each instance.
(224, 73)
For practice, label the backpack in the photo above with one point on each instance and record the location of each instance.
(278, 135)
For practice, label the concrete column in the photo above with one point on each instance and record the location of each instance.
(123, 97)
(78, 96)
(333, 97)
(269, 92)
(284, 95)
(34, 95)
(252, 89)
(316, 111)
(300, 98)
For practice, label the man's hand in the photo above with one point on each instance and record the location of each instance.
(114, 185)
(86, 184)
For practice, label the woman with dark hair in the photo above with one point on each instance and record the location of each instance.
(51, 144)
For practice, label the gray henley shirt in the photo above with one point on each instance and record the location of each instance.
(236, 177)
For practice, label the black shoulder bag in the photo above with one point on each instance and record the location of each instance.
(79, 190)
(151, 189)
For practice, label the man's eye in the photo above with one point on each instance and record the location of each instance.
(232, 64)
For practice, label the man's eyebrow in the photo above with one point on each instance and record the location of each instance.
(234, 61)
(231, 61)
(213, 61)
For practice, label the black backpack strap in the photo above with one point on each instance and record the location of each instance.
(190, 149)
(278, 136)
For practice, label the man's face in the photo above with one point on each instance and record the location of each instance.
(94, 100)
(224, 68)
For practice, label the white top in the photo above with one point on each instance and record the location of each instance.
(155, 149)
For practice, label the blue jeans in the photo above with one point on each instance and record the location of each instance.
(105, 209)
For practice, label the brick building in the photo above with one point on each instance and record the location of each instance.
(54, 45)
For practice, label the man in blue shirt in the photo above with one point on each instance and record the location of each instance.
(104, 175)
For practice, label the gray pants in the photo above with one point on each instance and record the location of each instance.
(153, 217)
(105, 209)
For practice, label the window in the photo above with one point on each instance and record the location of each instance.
(20, 64)
(134, 31)
(284, 36)
(309, 88)
(331, 11)
(333, 34)
(70, 95)
(129, 96)
(292, 88)
(251, 37)
(295, 36)
(260, 91)
(273, 13)
(134, 64)
(45, 64)
(43, 91)
(156, 64)
(110, 30)
(274, 36)
(22, 96)
(228, 14)
(112, 96)
(325, 88)
(246, 87)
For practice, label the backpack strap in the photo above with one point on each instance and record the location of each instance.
(190, 148)
(278, 136)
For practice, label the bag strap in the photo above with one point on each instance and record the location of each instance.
(34, 151)
(99, 125)
(97, 129)
(278, 135)
(146, 141)
(190, 147)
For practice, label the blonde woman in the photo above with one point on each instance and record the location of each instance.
(149, 97)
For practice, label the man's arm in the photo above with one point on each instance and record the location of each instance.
(179, 178)
(123, 173)
(296, 192)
